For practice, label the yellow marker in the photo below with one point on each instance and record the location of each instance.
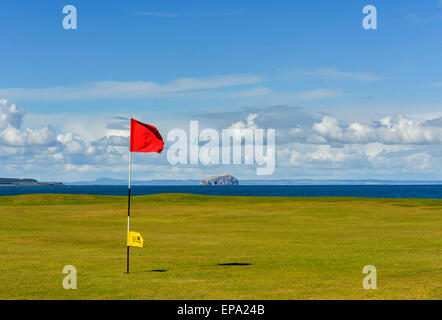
(134, 239)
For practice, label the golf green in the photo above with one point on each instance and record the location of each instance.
(216, 247)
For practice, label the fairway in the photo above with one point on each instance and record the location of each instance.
(280, 248)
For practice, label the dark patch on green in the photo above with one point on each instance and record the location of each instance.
(234, 264)
(404, 205)
(154, 270)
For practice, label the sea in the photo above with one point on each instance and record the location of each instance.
(370, 191)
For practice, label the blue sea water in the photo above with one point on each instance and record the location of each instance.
(372, 191)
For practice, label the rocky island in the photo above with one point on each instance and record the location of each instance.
(9, 182)
(219, 180)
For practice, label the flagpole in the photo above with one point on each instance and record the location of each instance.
(128, 207)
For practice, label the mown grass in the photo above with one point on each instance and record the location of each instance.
(297, 248)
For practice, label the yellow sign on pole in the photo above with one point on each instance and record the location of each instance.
(134, 239)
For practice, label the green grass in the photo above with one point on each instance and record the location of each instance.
(298, 248)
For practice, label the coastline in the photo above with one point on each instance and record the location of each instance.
(361, 191)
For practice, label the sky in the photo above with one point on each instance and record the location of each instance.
(345, 102)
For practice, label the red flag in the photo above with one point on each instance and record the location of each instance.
(145, 138)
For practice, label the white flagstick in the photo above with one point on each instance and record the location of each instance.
(128, 207)
(130, 173)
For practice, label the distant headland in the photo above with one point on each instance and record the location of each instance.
(8, 182)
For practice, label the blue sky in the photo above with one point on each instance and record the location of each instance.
(168, 62)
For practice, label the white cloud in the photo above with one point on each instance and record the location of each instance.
(372, 150)
(415, 18)
(328, 128)
(306, 142)
(326, 153)
(393, 146)
(12, 133)
(372, 159)
(250, 123)
(73, 145)
(388, 130)
(420, 161)
(114, 140)
(215, 13)
(130, 89)
(318, 94)
(79, 168)
(23, 148)
(254, 92)
(10, 115)
(156, 14)
(296, 132)
(333, 73)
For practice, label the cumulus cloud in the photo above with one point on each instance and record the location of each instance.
(328, 128)
(112, 141)
(42, 148)
(388, 130)
(437, 122)
(281, 117)
(11, 131)
(392, 146)
(294, 124)
(312, 143)
(320, 142)
(10, 115)
(249, 124)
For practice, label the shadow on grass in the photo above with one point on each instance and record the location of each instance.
(231, 264)
(155, 270)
